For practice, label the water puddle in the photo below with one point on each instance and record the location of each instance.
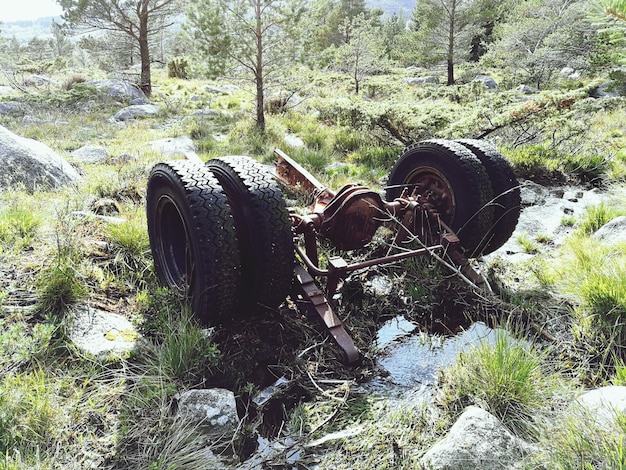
(412, 361)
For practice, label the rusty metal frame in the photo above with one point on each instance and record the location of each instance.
(349, 218)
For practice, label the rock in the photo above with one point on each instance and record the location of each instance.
(613, 231)
(486, 80)
(173, 146)
(205, 112)
(123, 158)
(477, 440)
(429, 80)
(525, 89)
(335, 166)
(39, 80)
(532, 194)
(118, 88)
(609, 89)
(98, 332)
(293, 140)
(90, 154)
(136, 110)
(604, 405)
(31, 164)
(13, 108)
(105, 206)
(281, 101)
(214, 408)
(6, 90)
(214, 90)
(28, 119)
(229, 88)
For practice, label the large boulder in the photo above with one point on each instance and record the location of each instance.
(26, 163)
(120, 89)
(477, 440)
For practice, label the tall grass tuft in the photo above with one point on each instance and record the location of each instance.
(595, 217)
(505, 377)
(177, 348)
(59, 287)
(18, 227)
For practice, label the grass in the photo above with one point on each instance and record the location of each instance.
(62, 409)
(504, 376)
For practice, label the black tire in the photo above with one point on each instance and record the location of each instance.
(454, 181)
(506, 192)
(263, 229)
(193, 239)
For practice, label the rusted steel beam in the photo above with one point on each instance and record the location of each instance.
(331, 321)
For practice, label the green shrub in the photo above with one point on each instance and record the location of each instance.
(532, 161)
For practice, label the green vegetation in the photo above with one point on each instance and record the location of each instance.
(342, 75)
(506, 377)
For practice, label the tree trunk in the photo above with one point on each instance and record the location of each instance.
(260, 112)
(144, 52)
(450, 53)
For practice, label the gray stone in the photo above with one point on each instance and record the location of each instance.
(105, 206)
(613, 231)
(28, 119)
(477, 440)
(173, 146)
(31, 164)
(13, 108)
(6, 90)
(214, 90)
(136, 110)
(39, 80)
(90, 154)
(293, 140)
(118, 88)
(525, 89)
(99, 333)
(486, 80)
(604, 404)
(214, 408)
(429, 80)
(205, 112)
(609, 89)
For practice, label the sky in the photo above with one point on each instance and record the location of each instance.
(18, 10)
